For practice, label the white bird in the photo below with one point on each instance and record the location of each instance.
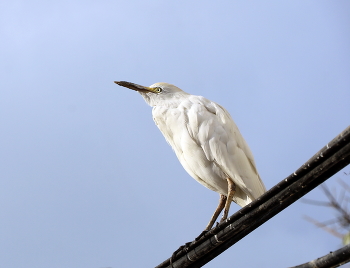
(207, 143)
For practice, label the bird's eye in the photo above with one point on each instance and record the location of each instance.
(158, 89)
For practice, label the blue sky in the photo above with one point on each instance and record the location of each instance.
(87, 180)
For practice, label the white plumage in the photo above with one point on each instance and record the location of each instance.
(206, 141)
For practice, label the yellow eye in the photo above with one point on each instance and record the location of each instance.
(158, 89)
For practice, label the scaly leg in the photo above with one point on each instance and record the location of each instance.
(217, 212)
(231, 192)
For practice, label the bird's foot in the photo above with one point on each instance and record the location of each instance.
(223, 219)
(201, 234)
(185, 247)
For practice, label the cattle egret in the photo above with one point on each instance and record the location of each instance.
(207, 143)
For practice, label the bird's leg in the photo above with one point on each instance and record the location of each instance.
(231, 192)
(217, 212)
(222, 202)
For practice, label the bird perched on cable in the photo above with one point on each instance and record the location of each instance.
(207, 143)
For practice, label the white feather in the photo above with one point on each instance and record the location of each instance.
(206, 141)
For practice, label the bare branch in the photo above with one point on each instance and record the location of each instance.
(344, 184)
(335, 204)
(340, 204)
(324, 227)
(316, 203)
(331, 260)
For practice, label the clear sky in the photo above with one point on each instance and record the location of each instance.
(87, 179)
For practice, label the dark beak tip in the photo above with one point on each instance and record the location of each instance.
(132, 86)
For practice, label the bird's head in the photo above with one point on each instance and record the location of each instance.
(156, 93)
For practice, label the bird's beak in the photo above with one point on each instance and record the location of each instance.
(136, 87)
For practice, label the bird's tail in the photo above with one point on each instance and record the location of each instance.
(241, 198)
(244, 197)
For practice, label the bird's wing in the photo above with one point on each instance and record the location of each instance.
(180, 133)
(214, 130)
